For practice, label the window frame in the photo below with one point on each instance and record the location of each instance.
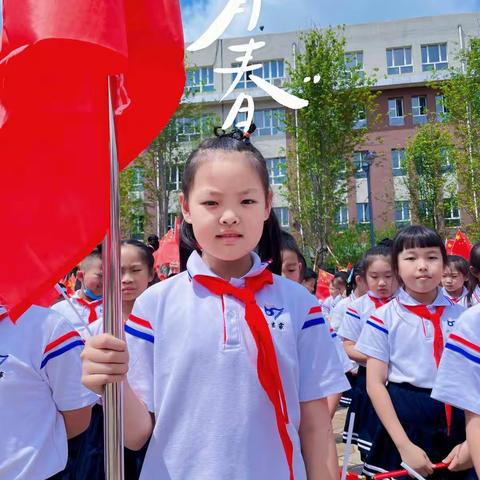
(365, 210)
(245, 83)
(419, 118)
(201, 85)
(400, 207)
(431, 66)
(401, 68)
(396, 120)
(397, 155)
(277, 169)
(281, 213)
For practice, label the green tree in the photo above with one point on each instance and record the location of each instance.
(324, 134)
(461, 97)
(429, 157)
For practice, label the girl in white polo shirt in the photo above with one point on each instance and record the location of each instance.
(378, 275)
(230, 366)
(42, 402)
(404, 341)
(458, 378)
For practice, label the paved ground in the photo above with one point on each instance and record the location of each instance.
(355, 463)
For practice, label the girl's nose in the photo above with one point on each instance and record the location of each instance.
(229, 218)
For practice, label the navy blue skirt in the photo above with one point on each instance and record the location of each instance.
(423, 419)
(346, 398)
(366, 421)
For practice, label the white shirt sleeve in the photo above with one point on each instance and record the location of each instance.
(458, 378)
(321, 371)
(351, 325)
(140, 340)
(336, 317)
(346, 362)
(62, 367)
(373, 340)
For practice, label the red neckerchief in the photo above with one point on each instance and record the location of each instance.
(267, 364)
(435, 317)
(92, 315)
(378, 301)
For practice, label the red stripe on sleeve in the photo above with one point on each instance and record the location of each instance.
(461, 340)
(60, 340)
(140, 321)
(317, 309)
(377, 319)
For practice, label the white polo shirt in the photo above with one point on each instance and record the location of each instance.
(348, 364)
(338, 313)
(193, 361)
(40, 371)
(458, 378)
(404, 340)
(65, 309)
(475, 300)
(329, 304)
(461, 300)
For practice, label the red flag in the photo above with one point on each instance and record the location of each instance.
(450, 242)
(168, 252)
(54, 63)
(324, 279)
(461, 245)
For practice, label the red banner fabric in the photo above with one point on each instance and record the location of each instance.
(324, 279)
(54, 143)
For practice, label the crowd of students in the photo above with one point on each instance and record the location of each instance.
(232, 369)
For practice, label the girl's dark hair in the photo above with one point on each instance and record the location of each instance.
(416, 236)
(268, 247)
(153, 242)
(145, 252)
(473, 280)
(458, 263)
(383, 249)
(358, 269)
(342, 276)
(288, 242)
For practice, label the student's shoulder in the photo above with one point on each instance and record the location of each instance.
(165, 289)
(293, 293)
(468, 324)
(44, 322)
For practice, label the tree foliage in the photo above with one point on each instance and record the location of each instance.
(324, 134)
(429, 157)
(462, 100)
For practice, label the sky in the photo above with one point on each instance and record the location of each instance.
(290, 15)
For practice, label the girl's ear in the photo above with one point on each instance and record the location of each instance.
(268, 206)
(80, 275)
(185, 209)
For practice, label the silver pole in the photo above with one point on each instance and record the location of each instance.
(113, 324)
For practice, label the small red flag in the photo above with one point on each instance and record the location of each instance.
(461, 245)
(324, 279)
(168, 253)
(54, 144)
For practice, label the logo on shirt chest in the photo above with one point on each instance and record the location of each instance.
(273, 314)
(3, 359)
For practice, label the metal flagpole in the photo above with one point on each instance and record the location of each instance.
(113, 324)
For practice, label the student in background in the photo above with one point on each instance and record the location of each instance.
(473, 295)
(403, 341)
(454, 278)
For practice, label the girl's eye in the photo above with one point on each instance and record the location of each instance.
(248, 201)
(209, 203)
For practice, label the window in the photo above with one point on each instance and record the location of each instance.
(341, 217)
(137, 226)
(358, 162)
(174, 177)
(200, 79)
(188, 129)
(138, 184)
(269, 121)
(396, 113)
(447, 164)
(434, 57)
(354, 61)
(171, 220)
(361, 121)
(277, 169)
(419, 110)
(283, 217)
(402, 212)
(398, 156)
(272, 71)
(363, 213)
(399, 60)
(440, 108)
(451, 212)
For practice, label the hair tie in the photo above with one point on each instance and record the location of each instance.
(235, 133)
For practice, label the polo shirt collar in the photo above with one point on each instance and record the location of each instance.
(440, 300)
(196, 266)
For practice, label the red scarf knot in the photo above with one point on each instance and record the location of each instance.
(92, 308)
(436, 318)
(267, 365)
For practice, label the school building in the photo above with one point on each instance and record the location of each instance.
(403, 54)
